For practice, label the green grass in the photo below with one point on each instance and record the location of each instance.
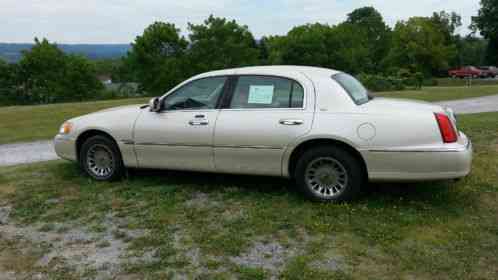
(29, 123)
(433, 94)
(437, 230)
(449, 82)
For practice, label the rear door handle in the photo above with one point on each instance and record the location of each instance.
(291, 122)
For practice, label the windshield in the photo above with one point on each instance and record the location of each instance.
(353, 87)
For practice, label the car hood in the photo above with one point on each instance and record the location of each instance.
(124, 107)
(398, 105)
(122, 113)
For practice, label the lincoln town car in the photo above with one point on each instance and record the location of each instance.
(318, 127)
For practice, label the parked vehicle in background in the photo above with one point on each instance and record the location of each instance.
(317, 126)
(467, 72)
(489, 71)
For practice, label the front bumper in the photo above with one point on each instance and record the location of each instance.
(451, 162)
(65, 147)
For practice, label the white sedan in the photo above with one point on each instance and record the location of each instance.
(317, 126)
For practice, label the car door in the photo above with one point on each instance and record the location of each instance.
(263, 115)
(180, 136)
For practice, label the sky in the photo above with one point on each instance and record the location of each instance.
(120, 21)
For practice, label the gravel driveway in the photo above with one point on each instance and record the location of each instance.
(12, 154)
(473, 105)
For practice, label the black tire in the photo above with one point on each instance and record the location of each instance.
(105, 146)
(354, 174)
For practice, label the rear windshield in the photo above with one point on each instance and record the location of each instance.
(353, 87)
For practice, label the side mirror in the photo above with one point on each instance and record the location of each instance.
(154, 105)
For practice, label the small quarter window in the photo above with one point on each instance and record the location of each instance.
(259, 92)
(353, 87)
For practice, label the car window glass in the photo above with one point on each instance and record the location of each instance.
(266, 92)
(297, 99)
(353, 87)
(199, 94)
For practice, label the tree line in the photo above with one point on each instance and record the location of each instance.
(161, 57)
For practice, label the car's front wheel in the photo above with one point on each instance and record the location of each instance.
(100, 159)
(329, 173)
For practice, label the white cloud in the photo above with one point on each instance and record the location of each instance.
(119, 21)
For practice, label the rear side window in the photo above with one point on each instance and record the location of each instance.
(353, 87)
(259, 92)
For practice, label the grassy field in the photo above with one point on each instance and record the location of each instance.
(449, 82)
(433, 94)
(168, 225)
(29, 123)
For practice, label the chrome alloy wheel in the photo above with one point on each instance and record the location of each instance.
(326, 177)
(100, 161)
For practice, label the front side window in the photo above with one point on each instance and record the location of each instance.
(353, 87)
(199, 94)
(259, 92)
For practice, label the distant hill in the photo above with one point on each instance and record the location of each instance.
(11, 52)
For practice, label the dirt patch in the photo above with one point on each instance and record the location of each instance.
(6, 189)
(330, 261)
(268, 256)
(80, 250)
(5, 214)
(201, 200)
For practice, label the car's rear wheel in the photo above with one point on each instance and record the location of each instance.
(100, 159)
(329, 173)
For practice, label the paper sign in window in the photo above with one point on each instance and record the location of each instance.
(261, 94)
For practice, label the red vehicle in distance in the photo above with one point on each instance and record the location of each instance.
(489, 71)
(467, 72)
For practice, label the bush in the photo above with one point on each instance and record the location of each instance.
(382, 83)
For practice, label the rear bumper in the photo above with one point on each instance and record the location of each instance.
(65, 147)
(450, 162)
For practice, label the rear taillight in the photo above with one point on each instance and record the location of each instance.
(446, 128)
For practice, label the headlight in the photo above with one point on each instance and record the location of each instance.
(66, 128)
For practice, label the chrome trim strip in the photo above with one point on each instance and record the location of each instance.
(172, 145)
(448, 150)
(247, 147)
(209, 146)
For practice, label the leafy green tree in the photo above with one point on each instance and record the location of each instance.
(275, 45)
(447, 24)
(421, 46)
(264, 52)
(219, 43)
(125, 71)
(378, 34)
(80, 79)
(487, 22)
(158, 58)
(471, 51)
(350, 49)
(42, 70)
(47, 75)
(306, 45)
(342, 47)
(8, 83)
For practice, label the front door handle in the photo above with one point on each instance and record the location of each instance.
(198, 122)
(291, 122)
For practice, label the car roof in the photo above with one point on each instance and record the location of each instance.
(285, 70)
